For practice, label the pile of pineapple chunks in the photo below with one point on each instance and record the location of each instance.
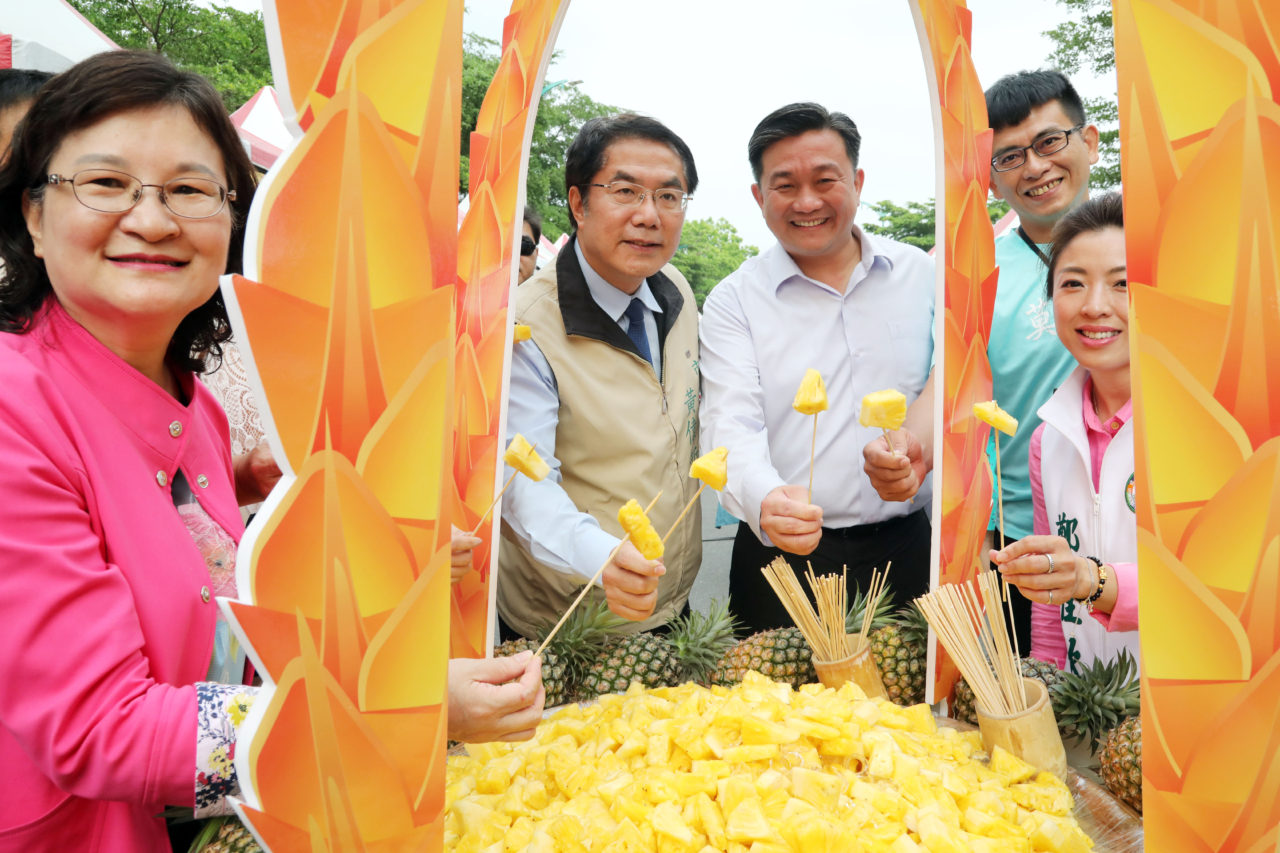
(757, 768)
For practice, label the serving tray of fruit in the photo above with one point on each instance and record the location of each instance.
(765, 767)
(758, 764)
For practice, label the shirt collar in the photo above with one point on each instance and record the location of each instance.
(782, 268)
(1093, 423)
(610, 299)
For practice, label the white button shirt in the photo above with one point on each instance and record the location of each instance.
(764, 325)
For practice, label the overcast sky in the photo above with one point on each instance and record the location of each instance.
(711, 69)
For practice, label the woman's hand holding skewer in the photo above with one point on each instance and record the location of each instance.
(1046, 570)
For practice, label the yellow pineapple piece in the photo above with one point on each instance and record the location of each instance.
(521, 456)
(885, 409)
(667, 820)
(753, 752)
(1010, 767)
(710, 820)
(811, 397)
(712, 468)
(821, 790)
(640, 530)
(758, 731)
(990, 413)
(522, 332)
(747, 822)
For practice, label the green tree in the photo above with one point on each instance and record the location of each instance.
(1086, 40)
(223, 43)
(563, 109)
(709, 250)
(914, 222)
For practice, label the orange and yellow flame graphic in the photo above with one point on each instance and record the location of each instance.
(1200, 143)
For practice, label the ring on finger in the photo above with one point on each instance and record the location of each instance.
(1051, 596)
(1049, 570)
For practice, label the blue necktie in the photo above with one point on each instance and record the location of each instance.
(635, 328)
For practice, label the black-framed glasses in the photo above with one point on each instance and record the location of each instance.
(627, 194)
(527, 246)
(1044, 145)
(109, 191)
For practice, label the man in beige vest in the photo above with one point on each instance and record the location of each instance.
(607, 388)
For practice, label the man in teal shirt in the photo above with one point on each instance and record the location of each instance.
(1042, 153)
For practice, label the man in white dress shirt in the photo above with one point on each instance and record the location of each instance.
(859, 309)
(607, 388)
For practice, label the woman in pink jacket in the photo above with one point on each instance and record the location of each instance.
(121, 204)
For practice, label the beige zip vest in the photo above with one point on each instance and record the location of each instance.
(621, 434)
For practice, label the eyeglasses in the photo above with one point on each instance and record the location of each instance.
(1050, 143)
(527, 246)
(109, 191)
(627, 194)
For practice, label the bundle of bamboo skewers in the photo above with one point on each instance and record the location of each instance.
(823, 628)
(969, 621)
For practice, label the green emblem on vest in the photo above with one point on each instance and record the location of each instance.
(1130, 498)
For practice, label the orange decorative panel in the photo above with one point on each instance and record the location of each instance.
(344, 577)
(962, 478)
(1200, 147)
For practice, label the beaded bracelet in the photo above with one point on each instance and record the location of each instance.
(1102, 582)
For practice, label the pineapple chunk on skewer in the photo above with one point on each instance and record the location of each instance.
(640, 530)
(811, 398)
(990, 413)
(885, 409)
(521, 456)
(712, 468)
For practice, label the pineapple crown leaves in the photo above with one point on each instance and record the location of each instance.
(882, 616)
(1100, 697)
(583, 636)
(700, 640)
(912, 624)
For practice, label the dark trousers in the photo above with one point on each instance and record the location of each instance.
(864, 547)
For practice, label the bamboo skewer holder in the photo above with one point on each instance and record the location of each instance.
(858, 667)
(1032, 735)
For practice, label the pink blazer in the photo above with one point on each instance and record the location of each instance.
(106, 621)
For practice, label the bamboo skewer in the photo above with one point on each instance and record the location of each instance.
(497, 497)
(591, 583)
(970, 624)
(875, 592)
(693, 500)
(813, 450)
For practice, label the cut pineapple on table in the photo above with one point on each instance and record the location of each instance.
(990, 413)
(885, 409)
(813, 769)
(811, 398)
(640, 530)
(712, 468)
(521, 456)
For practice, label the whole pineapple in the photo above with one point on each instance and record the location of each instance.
(571, 652)
(644, 657)
(900, 650)
(964, 707)
(1121, 762)
(1096, 699)
(781, 654)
